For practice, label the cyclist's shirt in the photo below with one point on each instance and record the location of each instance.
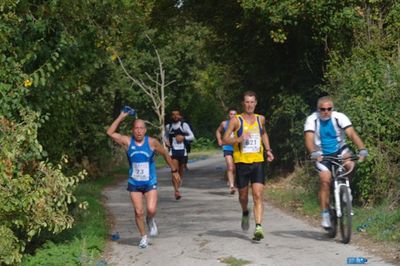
(329, 135)
(251, 150)
(142, 171)
(227, 147)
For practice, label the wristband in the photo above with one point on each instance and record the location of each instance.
(174, 171)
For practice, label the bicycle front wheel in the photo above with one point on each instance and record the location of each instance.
(345, 220)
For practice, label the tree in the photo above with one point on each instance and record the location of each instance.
(156, 91)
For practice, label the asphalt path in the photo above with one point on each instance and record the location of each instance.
(203, 228)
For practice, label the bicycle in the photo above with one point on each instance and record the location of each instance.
(340, 200)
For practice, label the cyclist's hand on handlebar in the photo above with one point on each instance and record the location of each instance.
(316, 155)
(362, 154)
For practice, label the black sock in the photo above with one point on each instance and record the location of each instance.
(258, 225)
(246, 213)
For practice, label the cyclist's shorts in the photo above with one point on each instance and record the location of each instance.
(143, 189)
(249, 172)
(228, 153)
(327, 165)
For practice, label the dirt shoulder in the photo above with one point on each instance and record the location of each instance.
(388, 251)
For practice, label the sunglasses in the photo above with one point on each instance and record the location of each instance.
(325, 109)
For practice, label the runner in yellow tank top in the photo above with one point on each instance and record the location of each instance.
(249, 141)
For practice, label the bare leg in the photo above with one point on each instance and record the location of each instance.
(151, 203)
(258, 190)
(137, 201)
(324, 189)
(230, 171)
(244, 198)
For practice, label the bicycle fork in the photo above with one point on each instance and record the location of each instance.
(337, 196)
(337, 199)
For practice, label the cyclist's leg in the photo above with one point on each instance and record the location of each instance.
(324, 188)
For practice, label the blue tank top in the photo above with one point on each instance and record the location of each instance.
(142, 167)
(227, 147)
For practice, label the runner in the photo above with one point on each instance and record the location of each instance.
(249, 141)
(228, 151)
(175, 135)
(142, 180)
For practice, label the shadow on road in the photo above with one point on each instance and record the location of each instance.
(301, 233)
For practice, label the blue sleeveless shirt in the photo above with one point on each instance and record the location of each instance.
(142, 167)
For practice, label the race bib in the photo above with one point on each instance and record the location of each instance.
(253, 144)
(141, 171)
(176, 145)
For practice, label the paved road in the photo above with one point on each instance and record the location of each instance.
(203, 228)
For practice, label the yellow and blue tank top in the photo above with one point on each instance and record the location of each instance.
(227, 147)
(251, 150)
(142, 167)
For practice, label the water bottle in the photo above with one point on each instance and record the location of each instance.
(356, 260)
(129, 110)
(115, 237)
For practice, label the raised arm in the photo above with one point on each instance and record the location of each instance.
(122, 140)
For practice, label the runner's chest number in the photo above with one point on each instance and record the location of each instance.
(141, 171)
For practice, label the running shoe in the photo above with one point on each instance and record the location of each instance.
(245, 222)
(143, 242)
(326, 220)
(258, 233)
(151, 223)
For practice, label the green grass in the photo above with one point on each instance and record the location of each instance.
(381, 223)
(232, 261)
(84, 243)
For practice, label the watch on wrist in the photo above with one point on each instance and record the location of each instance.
(174, 171)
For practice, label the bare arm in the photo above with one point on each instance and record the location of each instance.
(309, 141)
(227, 139)
(352, 134)
(122, 140)
(156, 145)
(265, 140)
(218, 133)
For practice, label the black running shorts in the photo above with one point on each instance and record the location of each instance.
(249, 172)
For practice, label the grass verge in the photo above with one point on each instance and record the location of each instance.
(82, 244)
(377, 225)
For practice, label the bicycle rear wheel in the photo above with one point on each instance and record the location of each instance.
(346, 219)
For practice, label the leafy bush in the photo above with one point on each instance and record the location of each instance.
(35, 194)
(203, 143)
(366, 88)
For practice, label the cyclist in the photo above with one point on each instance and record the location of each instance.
(324, 134)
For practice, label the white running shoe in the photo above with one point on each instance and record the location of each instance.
(143, 242)
(326, 220)
(151, 223)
